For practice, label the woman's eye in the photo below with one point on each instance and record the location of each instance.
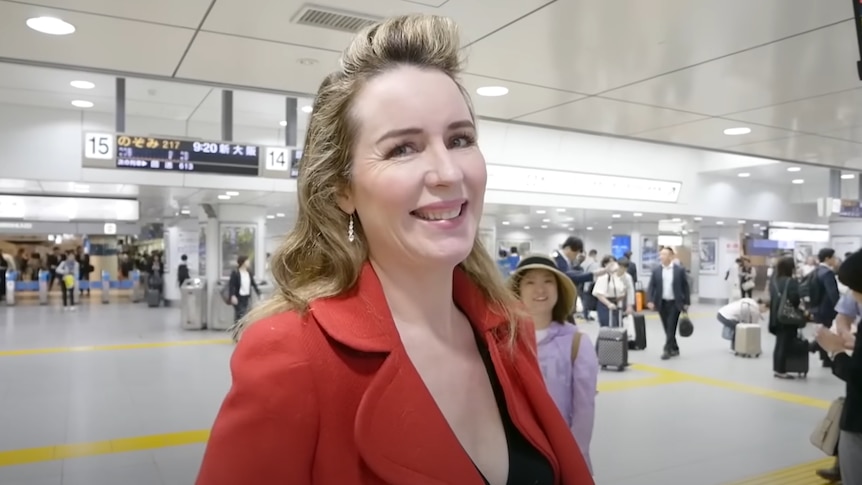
(462, 141)
(400, 151)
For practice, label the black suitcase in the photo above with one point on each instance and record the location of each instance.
(640, 341)
(798, 357)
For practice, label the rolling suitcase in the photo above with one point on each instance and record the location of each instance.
(612, 346)
(746, 342)
(798, 357)
(638, 339)
(154, 298)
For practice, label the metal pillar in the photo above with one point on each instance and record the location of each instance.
(120, 105)
(227, 115)
(291, 127)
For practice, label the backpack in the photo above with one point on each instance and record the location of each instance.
(811, 289)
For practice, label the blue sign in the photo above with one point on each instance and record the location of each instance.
(620, 245)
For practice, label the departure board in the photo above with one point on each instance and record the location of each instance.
(167, 154)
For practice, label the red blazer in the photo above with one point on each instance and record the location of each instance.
(330, 398)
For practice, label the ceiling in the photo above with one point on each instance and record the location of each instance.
(665, 70)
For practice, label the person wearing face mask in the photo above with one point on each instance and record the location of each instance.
(610, 293)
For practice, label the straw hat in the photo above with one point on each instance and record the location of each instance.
(567, 294)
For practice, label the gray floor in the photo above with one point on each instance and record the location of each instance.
(687, 433)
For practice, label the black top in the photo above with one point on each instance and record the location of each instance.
(776, 288)
(849, 369)
(527, 466)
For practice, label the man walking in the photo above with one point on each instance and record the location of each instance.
(670, 294)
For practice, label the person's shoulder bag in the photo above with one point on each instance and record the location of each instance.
(788, 315)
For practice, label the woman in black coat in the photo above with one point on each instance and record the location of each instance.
(785, 337)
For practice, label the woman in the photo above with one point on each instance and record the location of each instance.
(783, 286)
(68, 270)
(610, 293)
(566, 356)
(391, 351)
(745, 310)
(240, 284)
(747, 276)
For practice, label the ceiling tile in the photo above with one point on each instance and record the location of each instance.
(609, 116)
(709, 133)
(476, 18)
(593, 46)
(248, 62)
(522, 98)
(55, 100)
(808, 148)
(813, 115)
(187, 13)
(792, 69)
(850, 133)
(99, 42)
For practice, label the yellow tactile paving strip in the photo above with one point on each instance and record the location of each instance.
(795, 475)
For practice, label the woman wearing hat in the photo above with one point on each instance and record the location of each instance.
(566, 356)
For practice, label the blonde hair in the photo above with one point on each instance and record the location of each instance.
(316, 260)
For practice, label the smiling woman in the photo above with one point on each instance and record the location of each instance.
(391, 351)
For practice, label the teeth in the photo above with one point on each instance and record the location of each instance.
(439, 216)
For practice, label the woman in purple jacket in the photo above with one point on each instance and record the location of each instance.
(566, 355)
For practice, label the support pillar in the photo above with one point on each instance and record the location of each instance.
(227, 115)
(291, 127)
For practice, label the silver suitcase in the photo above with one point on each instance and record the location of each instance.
(747, 340)
(612, 347)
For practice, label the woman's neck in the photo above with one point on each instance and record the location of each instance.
(424, 301)
(542, 321)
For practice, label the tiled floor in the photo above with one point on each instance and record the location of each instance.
(706, 418)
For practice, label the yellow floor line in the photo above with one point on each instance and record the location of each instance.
(627, 384)
(95, 348)
(122, 445)
(803, 474)
(738, 387)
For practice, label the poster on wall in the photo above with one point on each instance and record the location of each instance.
(708, 256)
(802, 251)
(188, 245)
(846, 244)
(649, 253)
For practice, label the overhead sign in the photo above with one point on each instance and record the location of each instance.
(522, 179)
(850, 208)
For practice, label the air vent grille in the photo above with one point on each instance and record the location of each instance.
(328, 18)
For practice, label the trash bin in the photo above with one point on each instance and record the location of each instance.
(137, 286)
(106, 286)
(11, 279)
(193, 304)
(44, 281)
(222, 312)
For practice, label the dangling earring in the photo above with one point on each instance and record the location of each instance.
(350, 234)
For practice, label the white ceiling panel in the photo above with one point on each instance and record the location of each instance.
(812, 115)
(710, 133)
(522, 98)
(609, 116)
(275, 21)
(56, 100)
(808, 148)
(851, 133)
(185, 13)
(99, 42)
(763, 76)
(248, 62)
(591, 46)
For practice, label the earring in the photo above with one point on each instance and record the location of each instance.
(350, 234)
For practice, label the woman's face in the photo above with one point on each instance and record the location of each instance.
(418, 177)
(538, 289)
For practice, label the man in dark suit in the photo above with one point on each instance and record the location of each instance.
(823, 310)
(670, 294)
(632, 268)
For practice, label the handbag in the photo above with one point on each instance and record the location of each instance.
(788, 315)
(686, 327)
(748, 285)
(825, 435)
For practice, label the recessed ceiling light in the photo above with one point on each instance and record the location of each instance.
(616, 216)
(698, 218)
(505, 223)
(279, 214)
(637, 214)
(676, 219)
(527, 227)
(50, 25)
(492, 91)
(544, 226)
(270, 216)
(223, 197)
(282, 123)
(756, 224)
(848, 176)
(794, 169)
(80, 103)
(719, 223)
(743, 175)
(741, 221)
(798, 181)
(737, 131)
(546, 220)
(540, 211)
(610, 227)
(82, 84)
(590, 228)
(561, 210)
(307, 109)
(185, 212)
(231, 193)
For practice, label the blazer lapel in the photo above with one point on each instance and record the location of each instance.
(399, 431)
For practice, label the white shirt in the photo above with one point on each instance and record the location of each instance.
(611, 287)
(667, 282)
(745, 310)
(541, 333)
(244, 283)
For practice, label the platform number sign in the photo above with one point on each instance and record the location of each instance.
(278, 158)
(99, 146)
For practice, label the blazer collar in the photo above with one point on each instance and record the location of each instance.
(371, 327)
